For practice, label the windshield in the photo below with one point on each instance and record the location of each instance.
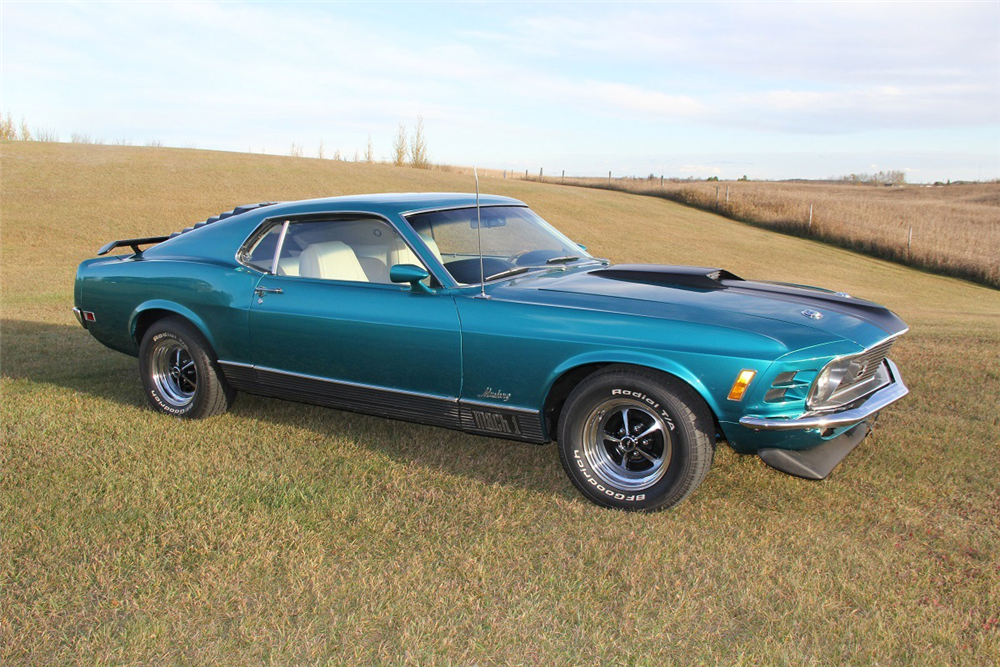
(514, 240)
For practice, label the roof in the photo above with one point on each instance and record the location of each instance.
(385, 202)
(402, 202)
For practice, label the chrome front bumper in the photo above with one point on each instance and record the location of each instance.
(885, 396)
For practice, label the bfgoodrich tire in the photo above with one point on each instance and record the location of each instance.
(179, 372)
(635, 439)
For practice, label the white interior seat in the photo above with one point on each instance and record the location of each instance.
(375, 269)
(332, 260)
(432, 244)
(288, 266)
(400, 253)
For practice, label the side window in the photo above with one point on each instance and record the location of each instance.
(261, 254)
(356, 250)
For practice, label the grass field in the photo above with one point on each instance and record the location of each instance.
(287, 534)
(955, 229)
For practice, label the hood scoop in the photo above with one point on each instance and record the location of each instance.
(693, 277)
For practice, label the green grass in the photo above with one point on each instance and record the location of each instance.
(287, 534)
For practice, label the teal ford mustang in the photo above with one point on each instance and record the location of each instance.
(485, 319)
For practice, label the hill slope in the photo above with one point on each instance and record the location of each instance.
(288, 533)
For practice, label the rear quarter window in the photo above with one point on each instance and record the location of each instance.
(261, 253)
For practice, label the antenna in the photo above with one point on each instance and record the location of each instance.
(479, 230)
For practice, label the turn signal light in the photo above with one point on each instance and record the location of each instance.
(740, 386)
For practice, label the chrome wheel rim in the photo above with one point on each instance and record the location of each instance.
(627, 445)
(175, 374)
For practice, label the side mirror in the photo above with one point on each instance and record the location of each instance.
(582, 247)
(410, 273)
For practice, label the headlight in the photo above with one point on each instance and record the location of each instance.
(833, 375)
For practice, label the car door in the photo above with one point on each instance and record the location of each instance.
(326, 318)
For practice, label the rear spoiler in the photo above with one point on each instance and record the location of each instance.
(132, 243)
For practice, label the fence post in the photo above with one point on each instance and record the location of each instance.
(564, 175)
(609, 177)
(810, 226)
(541, 173)
(661, 181)
(727, 195)
(909, 242)
(716, 197)
(505, 174)
(525, 173)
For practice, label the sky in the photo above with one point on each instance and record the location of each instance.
(763, 89)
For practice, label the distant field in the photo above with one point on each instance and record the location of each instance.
(288, 534)
(956, 228)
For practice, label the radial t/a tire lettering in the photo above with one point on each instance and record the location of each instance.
(179, 371)
(635, 439)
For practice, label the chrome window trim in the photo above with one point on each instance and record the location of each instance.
(305, 217)
(258, 233)
(277, 248)
(457, 207)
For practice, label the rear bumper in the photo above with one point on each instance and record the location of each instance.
(885, 396)
(79, 317)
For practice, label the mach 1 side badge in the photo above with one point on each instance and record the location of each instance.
(812, 314)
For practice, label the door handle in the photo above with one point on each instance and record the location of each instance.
(261, 291)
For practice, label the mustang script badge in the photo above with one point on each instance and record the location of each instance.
(489, 393)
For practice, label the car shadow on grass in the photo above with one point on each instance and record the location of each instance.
(64, 355)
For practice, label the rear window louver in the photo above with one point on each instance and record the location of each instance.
(222, 216)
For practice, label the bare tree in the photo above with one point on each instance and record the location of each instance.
(336, 155)
(399, 147)
(25, 130)
(319, 153)
(418, 146)
(294, 151)
(7, 130)
(369, 150)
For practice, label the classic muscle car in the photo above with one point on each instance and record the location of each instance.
(475, 314)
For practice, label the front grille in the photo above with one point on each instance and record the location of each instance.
(868, 362)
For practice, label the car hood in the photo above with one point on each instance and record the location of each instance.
(715, 295)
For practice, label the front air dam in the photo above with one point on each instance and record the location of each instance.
(818, 462)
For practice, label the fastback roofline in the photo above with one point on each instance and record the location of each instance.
(150, 240)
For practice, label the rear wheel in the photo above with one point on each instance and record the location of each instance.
(179, 371)
(635, 439)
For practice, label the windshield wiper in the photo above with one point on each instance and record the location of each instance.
(517, 270)
(562, 260)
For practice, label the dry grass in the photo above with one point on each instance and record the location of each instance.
(956, 229)
(287, 534)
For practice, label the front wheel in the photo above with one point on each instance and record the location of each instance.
(179, 372)
(635, 439)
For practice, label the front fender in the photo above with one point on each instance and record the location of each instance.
(713, 382)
